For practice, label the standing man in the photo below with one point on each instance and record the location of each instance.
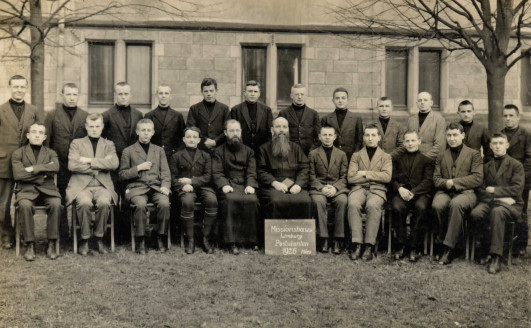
(391, 131)
(476, 135)
(144, 168)
(412, 182)
(304, 122)
(254, 117)
(349, 127)
(328, 181)
(430, 125)
(283, 173)
(34, 168)
(519, 149)
(209, 116)
(91, 159)
(369, 170)
(64, 124)
(169, 124)
(458, 171)
(500, 197)
(16, 116)
(234, 174)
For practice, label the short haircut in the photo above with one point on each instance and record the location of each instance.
(431, 97)
(17, 77)
(276, 119)
(298, 86)
(253, 83)
(145, 121)
(340, 89)
(499, 135)
(94, 117)
(465, 102)
(121, 84)
(209, 81)
(230, 121)
(39, 124)
(164, 85)
(412, 132)
(512, 106)
(371, 126)
(455, 126)
(69, 85)
(192, 128)
(384, 98)
(327, 127)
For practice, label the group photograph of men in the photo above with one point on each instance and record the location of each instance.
(217, 173)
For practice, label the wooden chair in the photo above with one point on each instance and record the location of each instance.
(18, 228)
(76, 226)
(150, 208)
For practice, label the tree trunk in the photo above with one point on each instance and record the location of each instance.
(37, 55)
(496, 91)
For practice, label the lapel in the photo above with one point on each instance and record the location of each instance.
(365, 159)
(427, 122)
(151, 153)
(380, 129)
(474, 130)
(447, 158)
(64, 120)
(215, 112)
(490, 172)
(8, 113)
(168, 118)
(118, 117)
(333, 158)
(503, 167)
(196, 157)
(375, 159)
(334, 123)
(157, 113)
(411, 170)
(461, 158)
(88, 146)
(100, 149)
(515, 139)
(291, 112)
(260, 112)
(245, 113)
(322, 155)
(140, 151)
(29, 154)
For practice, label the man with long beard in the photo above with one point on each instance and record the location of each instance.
(234, 173)
(283, 173)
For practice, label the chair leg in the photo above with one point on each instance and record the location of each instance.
(74, 227)
(467, 242)
(473, 247)
(169, 235)
(17, 233)
(431, 243)
(132, 236)
(112, 229)
(511, 244)
(389, 234)
(426, 236)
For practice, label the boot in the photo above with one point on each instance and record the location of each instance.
(189, 248)
(356, 254)
(235, 250)
(494, 266)
(101, 248)
(160, 244)
(336, 248)
(399, 254)
(29, 255)
(413, 255)
(50, 251)
(446, 257)
(207, 246)
(141, 246)
(367, 253)
(83, 248)
(324, 246)
(188, 226)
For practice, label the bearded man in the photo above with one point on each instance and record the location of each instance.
(283, 173)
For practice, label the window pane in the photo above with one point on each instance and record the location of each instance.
(396, 77)
(289, 72)
(254, 67)
(139, 73)
(101, 73)
(430, 74)
(526, 80)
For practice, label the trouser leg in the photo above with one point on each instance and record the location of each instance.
(373, 207)
(54, 209)
(356, 200)
(6, 191)
(211, 212)
(340, 204)
(103, 209)
(440, 205)
(421, 204)
(140, 214)
(498, 217)
(319, 203)
(458, 206)
(400, 209)
(84, 215)
(25, 212)
(162, 202)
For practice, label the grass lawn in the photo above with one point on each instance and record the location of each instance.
(253, 290)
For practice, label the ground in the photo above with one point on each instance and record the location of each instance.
(253, 290)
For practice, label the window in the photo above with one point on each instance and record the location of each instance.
(430, 74)
(288, 72)
(254, 67)
(396, 61)
(101, 72)
(526, 80)
(138, 72)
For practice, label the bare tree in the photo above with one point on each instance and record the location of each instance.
(41, 17)
(491, 29)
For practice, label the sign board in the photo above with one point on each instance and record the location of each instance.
(290, 237)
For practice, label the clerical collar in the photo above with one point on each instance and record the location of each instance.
(145, 146)
(463, 123)
(384, 118)
(94, 139)
(69, 108)
(123, 107)
(163, 108)
(13, 102)
(35, 147)
(297, 107)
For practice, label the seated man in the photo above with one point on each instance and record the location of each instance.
(144, 168)
(234, 173)
(328, 180)
(458, 171)
(283, 175)
(90, 160)
(34, 167)
(369, 170)
(500, 197)
(412, 181)
(191, 172)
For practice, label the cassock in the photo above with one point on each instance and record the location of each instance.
(236, 167)
(295, 167)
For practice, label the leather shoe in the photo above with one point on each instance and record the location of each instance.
(101, 248)
(367, 253)
(445, 258)
(190, 246)
(413, 256)
(494, 266)
(29, 255)
(324, 246)
(83, 248)
(235, 250)
(356, 254)
(485, 260)
(399, 254)
(337, 248)
(50, 251)
(7, 245)
(141, 246)
(207, 246)
(160, 244)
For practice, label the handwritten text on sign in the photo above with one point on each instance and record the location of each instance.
(290, 237)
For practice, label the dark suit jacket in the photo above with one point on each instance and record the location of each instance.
(350, 135)
(234, 168)
(508, 181)
(323, 173)
(210, 126)
(520, 149)
(199, 169)
(169, 129)
(467, 173)
(478, 137)
(61, 131)
(391, 141)
(432, 133)
(31, 184)
(13, 133)
(264, 117)
(271, 168)
(379, 171)
(114, 128)
(139, 183)
(417, 178)
(306, 132)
